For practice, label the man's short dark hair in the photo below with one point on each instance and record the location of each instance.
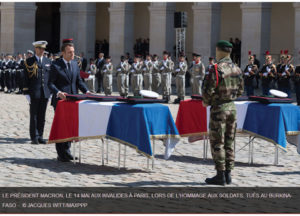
(225, 49)
(63, 47)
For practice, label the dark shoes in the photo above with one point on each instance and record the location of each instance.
(68, 158)
(38, 141)
(60, 159)
(35, 141)
(221, 178)
(42, 141)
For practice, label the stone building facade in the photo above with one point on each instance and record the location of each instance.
(260, 26)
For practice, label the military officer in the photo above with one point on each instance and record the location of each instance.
(267, 74)
(147, 72)
(37, 71)
(123, 77)
(197, 75)
(220, 89)
(281, 61)
(137, 75)
(180, 78)
(107, 73)
(8, 66)
(2, 84)
(250, 73)
(19, 66)
(296, 79)
(156, 76)
(287, 70)
(99, 64)
(166, 71)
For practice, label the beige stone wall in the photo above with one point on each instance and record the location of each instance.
(141, 20)
(231, 21)
(102, 21)
(187, 7)
(282, 28)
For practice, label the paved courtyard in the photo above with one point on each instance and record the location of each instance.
(23, 164)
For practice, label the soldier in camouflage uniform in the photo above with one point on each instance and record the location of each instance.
(107, 72)
(220, 88)
(180, 78)
(137, 76)
(147, 72)
(197, 75)
(156, 77)
(122, 77)
(166, 70)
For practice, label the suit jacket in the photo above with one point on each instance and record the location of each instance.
(61, 79)
(83, 64)
(99, 64)
(36, 85)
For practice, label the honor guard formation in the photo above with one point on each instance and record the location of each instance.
(44, 77)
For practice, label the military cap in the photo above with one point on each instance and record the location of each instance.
(197, 55)
(211, 58)
(68, 41)
(224, 43)
(122, 58)
(154, 56)
(30, 51)
(40, 44)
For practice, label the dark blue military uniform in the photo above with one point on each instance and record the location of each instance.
(35, 84)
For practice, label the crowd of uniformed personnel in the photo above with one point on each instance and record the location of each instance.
(154, 74)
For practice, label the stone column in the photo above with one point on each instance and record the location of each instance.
(256, 26)
(78, 21)
(206, 28)
(297, 34)
(121, 29)
(17, 26)
(162, 32)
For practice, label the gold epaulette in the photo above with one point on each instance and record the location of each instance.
(32, 69)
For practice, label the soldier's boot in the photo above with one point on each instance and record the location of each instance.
(228, 176)
(219, 179)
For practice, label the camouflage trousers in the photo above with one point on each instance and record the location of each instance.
(222, 128)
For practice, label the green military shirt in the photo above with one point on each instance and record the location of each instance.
(224, 88)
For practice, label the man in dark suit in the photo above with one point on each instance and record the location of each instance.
(65, 79)
(37, 69)
(99, 64)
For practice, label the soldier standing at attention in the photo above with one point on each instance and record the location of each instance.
(220, 88)
(287, 70)
(297, 83)
(180, 78)
(166, 69)
(147, 71)
(250, 73)
(267, 74)
(137, 76)
(107, 72)
(197, 75)
(8, 66)
(156, 77)
(122, 77)
(37, 72)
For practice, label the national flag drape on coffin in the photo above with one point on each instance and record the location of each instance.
(133, 125)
